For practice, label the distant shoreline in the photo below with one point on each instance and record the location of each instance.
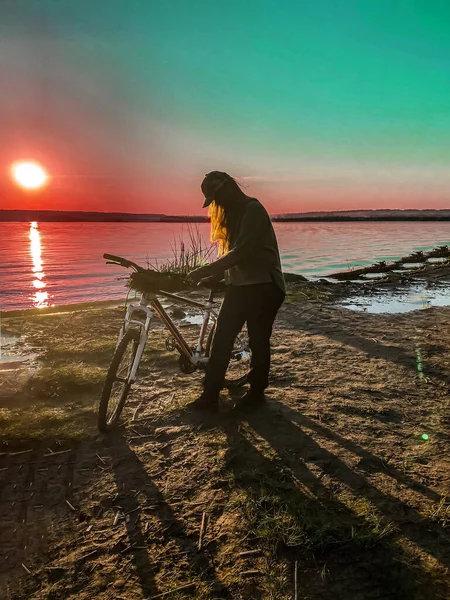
(48, 216)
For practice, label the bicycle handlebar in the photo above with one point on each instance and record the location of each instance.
(123, 262)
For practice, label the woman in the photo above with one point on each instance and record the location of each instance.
(250, 263)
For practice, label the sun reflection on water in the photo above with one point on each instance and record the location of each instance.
(40, 297)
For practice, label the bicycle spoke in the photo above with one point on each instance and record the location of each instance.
(120, 381)
(239, 364)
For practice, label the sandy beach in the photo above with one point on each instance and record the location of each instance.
(337, 488)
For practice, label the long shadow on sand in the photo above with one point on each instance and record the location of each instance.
(282, 429)
(329, 533)
(398, 355)
(328, 536)
(369, 461)
(131, 474)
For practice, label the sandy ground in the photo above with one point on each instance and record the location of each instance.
(329, 491)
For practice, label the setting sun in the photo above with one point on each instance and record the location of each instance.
(29, 175)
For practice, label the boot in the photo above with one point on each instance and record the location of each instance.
(252, 398)
(207, 402)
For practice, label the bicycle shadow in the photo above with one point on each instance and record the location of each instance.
(130, 474)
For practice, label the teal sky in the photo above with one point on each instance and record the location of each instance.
(322, 105)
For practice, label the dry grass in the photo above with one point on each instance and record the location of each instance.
(172, 275)
(53, 403)
(440, 512)
(187, 255)
(306, 292)
(38, 424)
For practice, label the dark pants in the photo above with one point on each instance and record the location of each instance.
(257, 305)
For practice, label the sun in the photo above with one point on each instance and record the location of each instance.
(29, 175)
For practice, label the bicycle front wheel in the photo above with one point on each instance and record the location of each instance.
(117, 386)
(239, 365)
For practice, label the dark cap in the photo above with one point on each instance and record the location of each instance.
(212, 182)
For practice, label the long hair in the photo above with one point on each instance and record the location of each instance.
(224, 213)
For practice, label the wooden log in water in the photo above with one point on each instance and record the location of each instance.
(384, 267)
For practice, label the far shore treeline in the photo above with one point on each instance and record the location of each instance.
(357, 215)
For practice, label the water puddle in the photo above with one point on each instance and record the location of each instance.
(322, 279)
(183, 315)
(410, 265)
(14, 355)
(375, 275)
(417, 296)
(192, 320)
(437, 260)
(404, 267)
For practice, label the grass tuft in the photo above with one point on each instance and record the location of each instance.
(186, 257)
(283, 519)
(372, 527)
(441, 513)
(306, 293)
(54, 380)
(82, 349)
(37, 424)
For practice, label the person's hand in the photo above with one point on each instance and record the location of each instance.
(198, 274)
(210, 282)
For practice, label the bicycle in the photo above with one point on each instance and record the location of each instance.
(133, 336)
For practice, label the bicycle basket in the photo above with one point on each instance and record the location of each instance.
(151, 282)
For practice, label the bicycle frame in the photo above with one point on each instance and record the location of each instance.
(131, 319)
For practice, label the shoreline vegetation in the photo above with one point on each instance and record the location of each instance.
(116, 217)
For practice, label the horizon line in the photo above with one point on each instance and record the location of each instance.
(324, 212)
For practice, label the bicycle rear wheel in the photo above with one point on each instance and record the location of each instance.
(239, 365)
(116, 388)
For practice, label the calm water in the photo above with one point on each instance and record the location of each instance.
(44, 264)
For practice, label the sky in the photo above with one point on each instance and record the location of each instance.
(312, 106)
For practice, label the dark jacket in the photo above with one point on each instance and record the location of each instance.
(253, 256)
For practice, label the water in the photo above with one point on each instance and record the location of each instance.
(417, 296)
(14, 354)
(45, 264)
